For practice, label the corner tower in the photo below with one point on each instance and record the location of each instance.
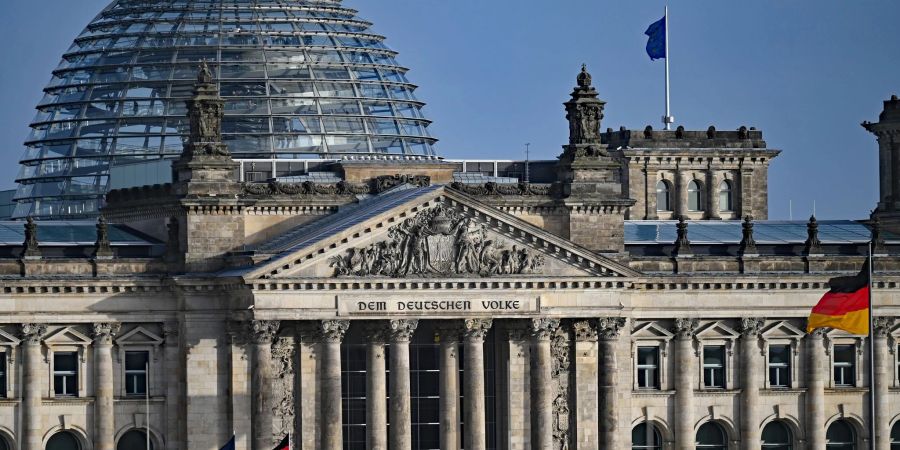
(887, 131)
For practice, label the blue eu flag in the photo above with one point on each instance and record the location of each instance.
(229, 445)
(656, 45)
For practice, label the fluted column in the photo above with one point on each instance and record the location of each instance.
(587, 400)
(262, 334)
(815, 389)
(750, 382)
(608, 332)
(883, 363)
(104, 416)
(376, 387)
(449, 381)
(685, 377)
(542, 389)
(401, 333)
(474, 332)
(32, 378)
(332, 334)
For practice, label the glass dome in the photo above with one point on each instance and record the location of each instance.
(301, 79)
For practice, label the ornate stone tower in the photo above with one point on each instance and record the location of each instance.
(591, 178)
(887, 131)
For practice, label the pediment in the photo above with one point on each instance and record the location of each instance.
(651, 331)
(782, 330)
(835, 333)
(139, 336)
(716, 330)
(8, 340)
(67, 336)
(440, 234)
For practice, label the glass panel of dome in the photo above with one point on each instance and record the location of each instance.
(340, 125)
(155, 56)
(243, 89)
(176, 108)
(138, 126)
(377, 108)
(383, 126)
(395, 76)
(243, 124)
(247, 55)
(283, 57)
(347, 144)
(372, 90)
(58, 130)
(324, 56)
(331, 74)
(246, 106)
(394, 146)
(359, 57)
(115, 58)
(291, 89)
(242, 71)
(342, 107)
(411, 128)
(296, 125)
(418, 147)
(92, 147)
(294, 106)
(240, 39)
(111, 75)
(173, 145)
(138, 145)
(143, 108)
(106, 92)
(289, 71)
(141, 73)
(401, 93)
(299, 143)
(196, 55)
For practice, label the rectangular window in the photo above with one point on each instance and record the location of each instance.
(136, 372)
(844, 365)
(714, 366)
(3, 375)
(65, 374)
(648, 367)
(780, 366)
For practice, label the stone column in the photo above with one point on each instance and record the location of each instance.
(751, 380)
(473, 381)
(712, 193)
(680, 196)
(542, 386)
(333, 332)
(815, 389)
(376, 388)
(262, 334)
(514, 411)
(608, 330)
(401, 333)
(587, 407)
(32, 380)
(308, 388)
(104, 415)
(650, 180)
(449, 382)
(685, 380)
(883, 366)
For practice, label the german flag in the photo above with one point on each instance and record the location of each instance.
(285, 444)
(845, 306)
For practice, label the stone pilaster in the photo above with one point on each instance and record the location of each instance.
(400, 435)
(815, 389)
(376, 387)
(262, 334)
(586, 385)
(684, 383)
(514, 387)
(751, 381)
(543, 390)
(883, 366)
(712, 195)
(608, 330)
(448, 336)
(104, 415)
(332, 334)
(32, 425)
(474, 332)
(308, 388)
(173, 390)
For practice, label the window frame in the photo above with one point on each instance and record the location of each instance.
(77, 373)
(139, 339)
(651, 334)
(657, 382)
(656, 433)
(669, 189)
(699, 196)
(723, 368)
(854, 365)
(791, 364)
(791, 444)
(146, 371)
(730, 199)
(5, 369)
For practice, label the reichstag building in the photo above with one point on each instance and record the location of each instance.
(231, 220)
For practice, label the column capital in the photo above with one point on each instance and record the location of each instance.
(263, 331)
(33, 332)
(751, 326)
(883, 325)
(818, 333)
(609, 327)
(448, 331)
(402, 330)
(170, 332)
(476, 329)
(333, 331)
(543, 329)
(375, 332)
(686, 327)
(585, 330)
(104, 332)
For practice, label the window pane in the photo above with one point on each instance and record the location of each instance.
(65, 362)
(840, 436)
(63, 441)
(711, 436)
(844, 354)
(776, 436)
(136, 360)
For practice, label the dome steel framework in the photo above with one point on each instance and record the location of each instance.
(302, 79)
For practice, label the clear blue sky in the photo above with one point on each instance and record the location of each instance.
(494, 74)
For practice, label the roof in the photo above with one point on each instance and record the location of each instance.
(772, 232)
(71, 233)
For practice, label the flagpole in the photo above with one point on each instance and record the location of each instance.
(668, 119)
(871, 353)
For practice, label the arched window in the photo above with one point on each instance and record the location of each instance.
(840, 436)
(776, 436)
(694, 196)
(726, 199)
(133, 440)
(645, 437)
(895, 437)
(4, 444)
(711, 436)
(63, 440)
(663, 196)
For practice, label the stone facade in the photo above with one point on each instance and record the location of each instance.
(537, 324)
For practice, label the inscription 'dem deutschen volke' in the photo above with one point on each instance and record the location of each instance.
(436, 306)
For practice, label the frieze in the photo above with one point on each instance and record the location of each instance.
(444, 306)
(304, 189)
(495, 189)
(438, 242)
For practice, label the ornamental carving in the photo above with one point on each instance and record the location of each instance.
(559, 348)
(102, 248)
(437, 242)
(33, 332)
(609, 327)
(544, 329)
(333, 331)
(491, 189)
(585, 330)
(561, 422)
(283, 387)
(476, 329)
(105, 332)
(31, 246)
(385, 182)
(685, 328)
(752, 326)
(205, 112)
(402, 330)
(883, 326)
(264, 331)
(304, 189)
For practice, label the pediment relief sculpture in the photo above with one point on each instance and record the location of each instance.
(438, 242)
